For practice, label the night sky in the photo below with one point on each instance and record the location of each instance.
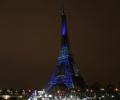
(30, 40)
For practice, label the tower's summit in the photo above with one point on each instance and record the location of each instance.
(64, 24)
(66, 75)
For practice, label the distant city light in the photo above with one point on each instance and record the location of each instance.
(6, 97)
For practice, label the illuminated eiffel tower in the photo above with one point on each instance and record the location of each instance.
(66, 75)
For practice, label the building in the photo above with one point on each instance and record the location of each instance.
(66, 75)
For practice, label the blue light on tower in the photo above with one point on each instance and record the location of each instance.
(65, 70)
(63, 61)
(64, 26)
(64, 52)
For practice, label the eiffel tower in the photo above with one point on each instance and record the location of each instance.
(66, 75)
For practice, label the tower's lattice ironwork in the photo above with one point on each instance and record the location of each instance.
(66, 74)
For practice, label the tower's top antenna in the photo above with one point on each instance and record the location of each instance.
(63, 11)
(62, 7)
